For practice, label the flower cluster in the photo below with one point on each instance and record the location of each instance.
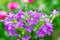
(23, 24)
(45, 29)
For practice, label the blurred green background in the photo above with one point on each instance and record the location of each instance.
(47, 7)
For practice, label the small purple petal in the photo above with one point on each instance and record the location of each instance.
(26, 37)
(29, 28)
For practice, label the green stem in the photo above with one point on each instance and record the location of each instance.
(54, 17)
(26, 6)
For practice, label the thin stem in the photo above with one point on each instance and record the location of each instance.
(26, 6)
(54, 17)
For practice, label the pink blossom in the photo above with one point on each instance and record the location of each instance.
(31, 1)
(28, 1)
(13, 5)
(3, 14)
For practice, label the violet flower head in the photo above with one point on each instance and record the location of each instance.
(20, 24)
(12, 33)
(32, 21)
(34, 14)
(45, 29)
(47, 21)
(31, 13)
(11, 16)
(54, 12)
(9, 26)
(29, 28)
(49, 28)
(19, 15)
(26, 37)
(41, 32)
(37, 15)
(11, 29)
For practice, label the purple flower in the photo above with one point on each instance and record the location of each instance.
(12, 32)
(20, 24)
(42, 31)
(54, 12)
(43, 16)
(19, 15)
(9, 26)
(29, 28)
(31, 13)
(36, 15)
(47, 21)
(45, 29)
(26, 37)
(11, 16)
(11, 29)
(32, 21)
(7, 22)
(49, 28)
